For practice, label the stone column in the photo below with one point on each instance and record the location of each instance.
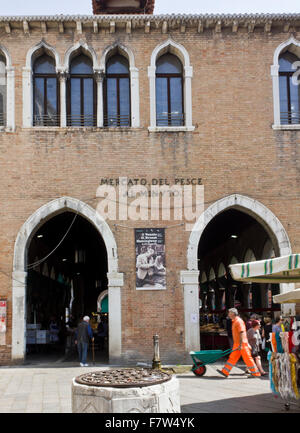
(276, 99)
(63, 100)
(188, 95)
(264, 294)
(189, 280)
(10, 98)
(151, 76)
(99, 75)
(246, 295)
(115, 282)
(27, 98)
(135, 97)
(18, 316)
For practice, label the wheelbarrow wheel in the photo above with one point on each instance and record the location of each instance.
(200, 370)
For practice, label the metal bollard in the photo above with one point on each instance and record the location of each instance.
(156, 364)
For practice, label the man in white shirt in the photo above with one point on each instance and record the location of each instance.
(143, 267)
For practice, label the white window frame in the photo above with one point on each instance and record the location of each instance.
(275, 80)
(28, 82)
(10, 92)
(180, 52)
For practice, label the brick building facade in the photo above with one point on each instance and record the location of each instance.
(231, 136)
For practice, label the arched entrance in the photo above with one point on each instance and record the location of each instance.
(190, 278)
(65, 209)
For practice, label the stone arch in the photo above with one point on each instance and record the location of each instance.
(249, 256)
(117, 47)
(37, 50)
(6, 55)
(233, 260)
(252, 207)
(100, 299)
(221, 270)
(115, 279)
(203, 277)
(189, 277)
(268, 250)
(212, 274)
(79, 47)
(172, 47)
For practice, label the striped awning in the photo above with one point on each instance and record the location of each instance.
(285, 269)
(291, 297)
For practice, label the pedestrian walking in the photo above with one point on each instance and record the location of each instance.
(82, 336)
(241, 347)
(255, 341)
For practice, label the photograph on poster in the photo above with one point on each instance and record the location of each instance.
(150, 259)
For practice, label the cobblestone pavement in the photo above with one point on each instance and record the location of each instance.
(46, 388)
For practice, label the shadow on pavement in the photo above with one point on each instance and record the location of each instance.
(258, 403)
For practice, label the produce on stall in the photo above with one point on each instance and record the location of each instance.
(284, 359)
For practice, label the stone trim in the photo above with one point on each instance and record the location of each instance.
(275, 81)
(10, 92)
(179, 51)
(189, 280)
(182, 22)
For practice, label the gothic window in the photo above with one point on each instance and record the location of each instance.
(289, 92)
(117, 110)
(169, 91)
(45, 92)
(82, 103)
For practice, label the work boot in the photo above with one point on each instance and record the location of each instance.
(223, 374)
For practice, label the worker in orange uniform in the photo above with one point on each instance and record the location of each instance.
(240, 347)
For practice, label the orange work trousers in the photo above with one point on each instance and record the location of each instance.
(247, 358)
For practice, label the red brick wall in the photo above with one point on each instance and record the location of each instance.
(233, 149)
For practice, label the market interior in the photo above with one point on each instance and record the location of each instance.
(231, 237)
(67, 268)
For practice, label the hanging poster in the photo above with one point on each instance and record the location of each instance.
(150, 259)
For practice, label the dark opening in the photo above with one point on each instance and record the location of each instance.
(64, 287)
(227, 238)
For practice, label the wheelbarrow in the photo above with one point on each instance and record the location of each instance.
(203, 357)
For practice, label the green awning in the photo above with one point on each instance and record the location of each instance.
(285, 269)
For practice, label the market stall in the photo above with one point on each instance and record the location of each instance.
(284, 359)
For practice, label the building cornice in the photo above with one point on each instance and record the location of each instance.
(166, 23)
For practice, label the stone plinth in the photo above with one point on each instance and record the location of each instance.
(163, 398)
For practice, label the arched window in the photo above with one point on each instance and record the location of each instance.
(2, 91)
(117, 111)
(288, 91)
(169, 91)
(45, 92)
(82, 102)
